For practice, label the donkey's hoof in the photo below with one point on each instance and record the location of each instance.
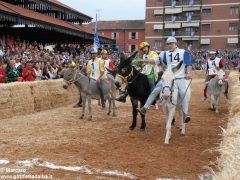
(90, 118)
(142, 129)
(81, 117)
(108, 113)
(114, 115)
(132, 127)
(182, 134)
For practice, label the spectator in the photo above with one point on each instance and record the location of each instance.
(38, 71)
(28, 72)
(12, 73)
(2, 72)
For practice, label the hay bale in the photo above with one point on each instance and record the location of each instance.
(28, 97)
(41, 96)
(6, 102)
(229, 161)
(23, 101)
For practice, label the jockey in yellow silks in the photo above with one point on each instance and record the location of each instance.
(96, 71)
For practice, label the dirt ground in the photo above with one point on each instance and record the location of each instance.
(60, 137)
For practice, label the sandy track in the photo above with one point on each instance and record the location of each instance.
(60, 137)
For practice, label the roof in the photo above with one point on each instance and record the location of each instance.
(119, 24)
(58, 3)
(42, 19)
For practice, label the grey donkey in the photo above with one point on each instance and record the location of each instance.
(89, 90)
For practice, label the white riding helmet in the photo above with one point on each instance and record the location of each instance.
(171, 39)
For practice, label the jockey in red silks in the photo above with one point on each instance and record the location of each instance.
(214, 64)
(108, 64)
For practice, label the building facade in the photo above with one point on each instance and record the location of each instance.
(127, 33)
(198, 24)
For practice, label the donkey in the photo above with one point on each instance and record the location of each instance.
(170, 100)
(215, 87)
(137, 86)
(89, 90)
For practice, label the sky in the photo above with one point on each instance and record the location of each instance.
(110, 9)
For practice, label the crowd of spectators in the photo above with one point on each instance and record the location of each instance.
(24, 61)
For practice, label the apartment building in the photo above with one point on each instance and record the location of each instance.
(200, 24)
(127, 33)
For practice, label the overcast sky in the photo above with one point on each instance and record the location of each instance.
(110, 9)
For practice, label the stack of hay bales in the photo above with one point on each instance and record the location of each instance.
(229, 161)
(29, 97)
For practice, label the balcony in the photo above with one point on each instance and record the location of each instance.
(173, 3)
(190, 18)
(172, 25)
(172, 33)
(191, 2)
(190, 33)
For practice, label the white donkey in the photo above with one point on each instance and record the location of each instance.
(170, 100)
(216, 86)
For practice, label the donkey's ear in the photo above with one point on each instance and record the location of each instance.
(131, 57)
(175, 69)
(122, 57)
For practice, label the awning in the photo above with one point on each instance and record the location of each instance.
(157, 26)
(205, 41)
(172, 25)
(17, 16)
(191, 24)
(173, 10)
(158, 12)
(232, 40)
(191, 8)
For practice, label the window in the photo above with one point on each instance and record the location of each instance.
(234, 10)
(206, 12)
(205, 27)
(114, 35)
(133, 35)
(158, 44)
(233, 27)
(132, 48)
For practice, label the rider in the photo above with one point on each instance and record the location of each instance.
(172, 58)
(214, 64)
(108, 64)
(149, 68)
(96, 70)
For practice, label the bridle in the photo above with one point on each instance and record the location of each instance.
(73, 79)
(126, 78)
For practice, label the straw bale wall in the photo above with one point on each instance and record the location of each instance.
(229, 160)
(29, 97)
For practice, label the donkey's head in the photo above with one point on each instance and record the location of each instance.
(168, 78)
(221, 77)
(69, 77)
(124, 69)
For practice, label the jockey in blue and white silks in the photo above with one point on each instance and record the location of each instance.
(172, 58)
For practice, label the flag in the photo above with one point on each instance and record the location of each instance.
(96, 42)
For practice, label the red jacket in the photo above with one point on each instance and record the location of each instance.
(28, 74)
(2, 76)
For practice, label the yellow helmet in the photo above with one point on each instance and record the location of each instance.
(143, 45)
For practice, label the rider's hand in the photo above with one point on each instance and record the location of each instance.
(188, 76)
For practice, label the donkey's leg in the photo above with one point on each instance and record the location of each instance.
(143, 125)
(110, 104)
(113, 103)
(89, 108)
(134, 113)
(169, 125)
(217, 98)
(182, 124)
(83, 105)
